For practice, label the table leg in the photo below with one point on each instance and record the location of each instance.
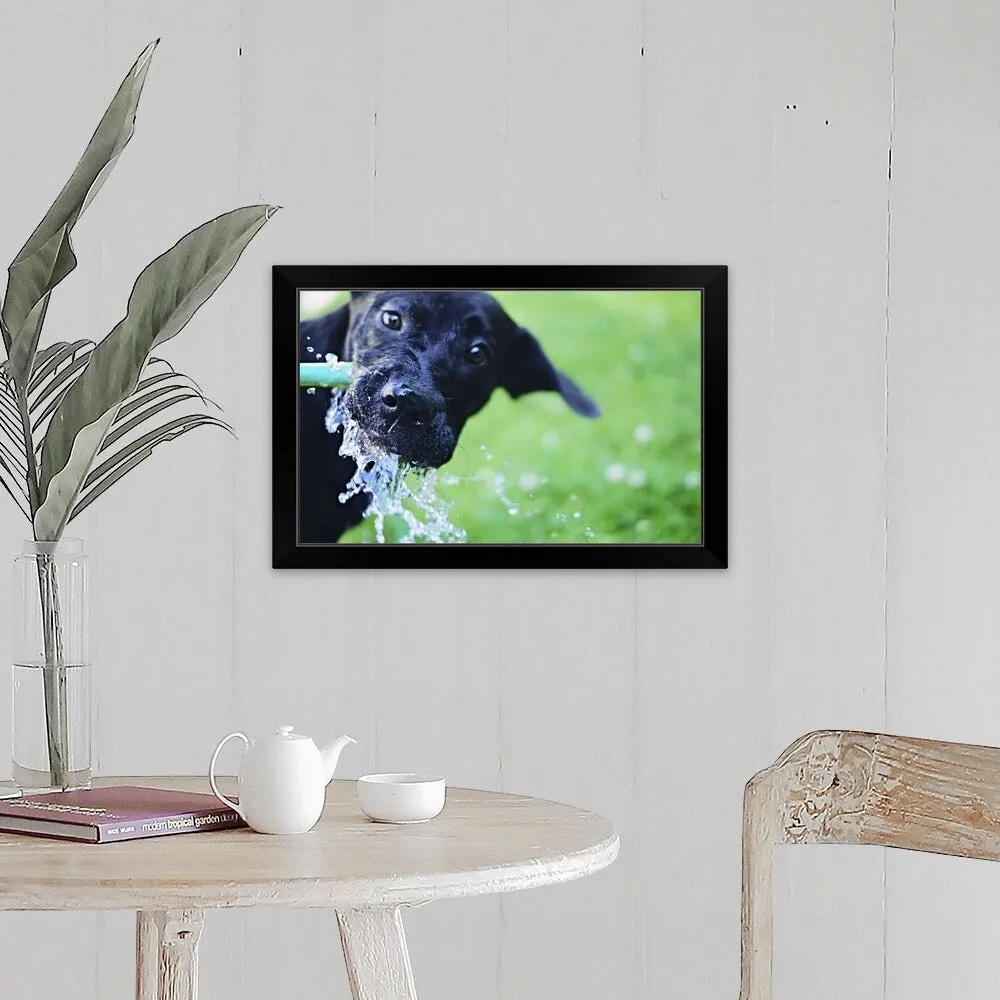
(147, 955)
(166, 966)
(378, 965)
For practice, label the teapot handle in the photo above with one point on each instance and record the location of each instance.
(211, 775)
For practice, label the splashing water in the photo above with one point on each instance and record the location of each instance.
(499, 485)
(391, 483)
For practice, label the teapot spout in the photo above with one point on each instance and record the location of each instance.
(331, 754)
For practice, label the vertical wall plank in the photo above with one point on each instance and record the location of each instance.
(434, 158)
(767, 159)
(944, 445)
(944, 361)
(51, 73)
(302, 638)
(703, 688)
(566, 704)
(67, 99)
(165, 646)
(827, 579)
(437, 144)
(571, 131)
(566, 672)
(163, 680)
(434, 679)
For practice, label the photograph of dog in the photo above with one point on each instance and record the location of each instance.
(489, 389)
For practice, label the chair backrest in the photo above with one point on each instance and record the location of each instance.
(835, 787)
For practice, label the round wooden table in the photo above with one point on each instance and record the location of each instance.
(483, 842)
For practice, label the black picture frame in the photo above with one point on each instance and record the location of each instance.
(711, 280)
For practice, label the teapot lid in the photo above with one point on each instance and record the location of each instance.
(287, 733)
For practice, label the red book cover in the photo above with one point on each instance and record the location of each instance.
(120, 812)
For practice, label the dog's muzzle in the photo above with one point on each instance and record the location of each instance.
(399, 416)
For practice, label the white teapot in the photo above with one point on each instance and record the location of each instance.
(282, 780)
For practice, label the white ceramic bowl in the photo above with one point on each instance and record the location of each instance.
(401, 798)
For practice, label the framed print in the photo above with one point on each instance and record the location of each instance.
(499, 416)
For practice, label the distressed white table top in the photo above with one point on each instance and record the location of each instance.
(483, 842)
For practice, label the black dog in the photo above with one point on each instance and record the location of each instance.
(424, 362)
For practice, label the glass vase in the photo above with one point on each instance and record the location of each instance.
(51, 667)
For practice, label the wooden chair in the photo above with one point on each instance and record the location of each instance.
(860, 788)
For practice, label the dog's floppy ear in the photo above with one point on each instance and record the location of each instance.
(325, 335)
(528, 369)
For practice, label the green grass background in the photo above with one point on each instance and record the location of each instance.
(632, 475)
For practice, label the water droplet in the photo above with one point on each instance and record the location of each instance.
(577, 515)
(693, 480)
(614, 473)
(643, 433)
(529, 481)
(588, 532)
(637, 477)
(310, 350)
(550, 439)
(311, 391)
(499, 481)
(642, 526)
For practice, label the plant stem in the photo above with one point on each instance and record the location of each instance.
(54, 673)
(54, 669)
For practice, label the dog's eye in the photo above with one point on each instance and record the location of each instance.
(477, 354)
(391, 319)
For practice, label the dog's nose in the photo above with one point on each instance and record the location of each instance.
(405, 402)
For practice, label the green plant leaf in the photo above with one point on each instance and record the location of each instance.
(8, 406)
(52, 375)
(47, 361)
(169, 373)
(43, 356)
(12, 448)
(165, 296)
(13, 465)
(127, 458)
(10, 416)
(10, 424)
(52, 391)
(11, 458)
(48, 255)
(169, 383)
(11, 482)
(120, 428)
(64, 487)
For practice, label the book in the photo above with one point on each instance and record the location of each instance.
(116, 813)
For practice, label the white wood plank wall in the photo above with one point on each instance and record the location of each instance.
(865, 462)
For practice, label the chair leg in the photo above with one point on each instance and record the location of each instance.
(166, 965)
(756, 937)
(378, 965)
